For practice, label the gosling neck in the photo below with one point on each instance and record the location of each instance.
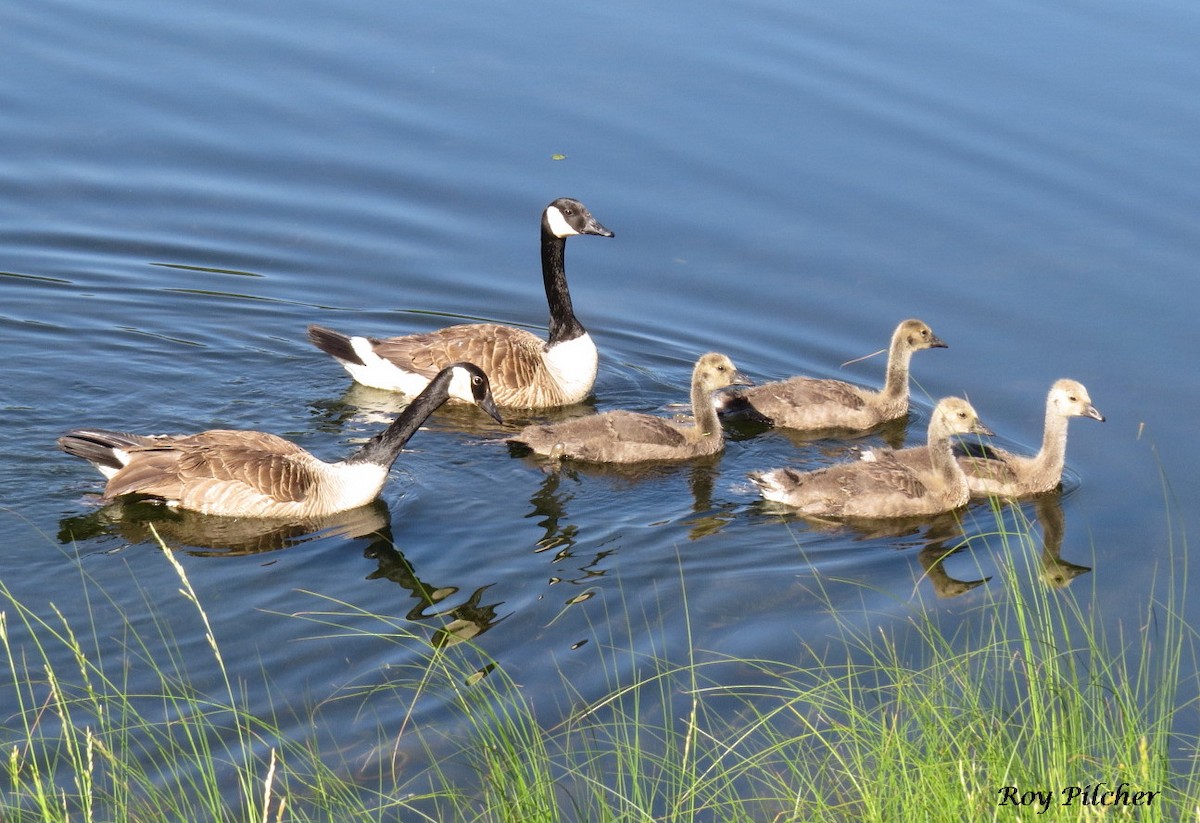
(1050, 459)
(708, 425)
(941, 456)
(895, 387)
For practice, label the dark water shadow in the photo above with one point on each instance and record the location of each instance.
(741, 426)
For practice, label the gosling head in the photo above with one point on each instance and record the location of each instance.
(916, 335)
(1070, 399)
(716, 371)
(956, 416)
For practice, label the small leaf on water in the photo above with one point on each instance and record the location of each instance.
(558, 157)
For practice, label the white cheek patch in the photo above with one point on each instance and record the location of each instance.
(460, 385)
(558, 224)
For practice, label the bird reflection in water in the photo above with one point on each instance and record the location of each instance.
(551, 500)
(201, 535)
(465, 621)
(1056, 572)
(205, 535)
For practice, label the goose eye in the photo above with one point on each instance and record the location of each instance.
(476, 381)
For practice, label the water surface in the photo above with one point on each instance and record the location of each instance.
(186, 188)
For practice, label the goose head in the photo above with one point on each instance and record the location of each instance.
(1070, 399)
(915, 335)
(566, 217)
(469, 383)
(953, 415)
(716, 371)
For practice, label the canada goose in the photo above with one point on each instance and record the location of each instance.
(886, 487)
(526, 371)
(629, 437)
(810, 403)
(254, 474)
(993, 471)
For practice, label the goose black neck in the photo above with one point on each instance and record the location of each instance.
(563, 325)
(385, 447)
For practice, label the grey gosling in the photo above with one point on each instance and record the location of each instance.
(886, 487)
(254, 474)
(526, 371)
(993, 471)
(812, 404)
(629, 437)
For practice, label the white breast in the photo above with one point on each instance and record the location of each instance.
(573, 365)
(350, 485)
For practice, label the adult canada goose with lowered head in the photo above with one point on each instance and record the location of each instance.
(994, 471)
(885, 487)
(254, 474)
(526, 371)
(812, 404)
(628, 437)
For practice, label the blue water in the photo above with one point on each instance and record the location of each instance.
(184, 188)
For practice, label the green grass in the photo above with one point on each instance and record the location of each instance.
(926, 720)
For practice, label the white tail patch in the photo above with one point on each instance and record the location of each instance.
(122, 457)
(379, 373)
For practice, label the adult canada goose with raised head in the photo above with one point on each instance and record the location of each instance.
(629, 437)
(526, 371)
(255, 474)
(813, 404)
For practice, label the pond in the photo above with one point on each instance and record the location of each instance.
(187, 187)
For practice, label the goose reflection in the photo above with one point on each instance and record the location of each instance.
(550, 502)
(1056, 572)
(202, 535)
(205, 535)
(465, 621)
(933, 558)
(940, 537)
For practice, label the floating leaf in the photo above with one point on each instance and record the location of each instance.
(558, 157)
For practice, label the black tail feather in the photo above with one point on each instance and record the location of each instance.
(334, 344)
(96, 445)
